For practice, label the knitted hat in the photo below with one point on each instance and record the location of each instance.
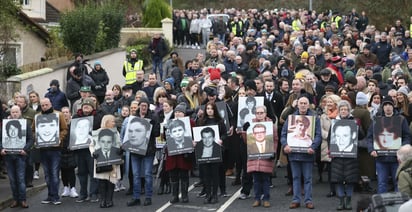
(388, 100)
(171, 81)
(350, 62)
(55, 82)
(361, 99)
(89, 101)
(305, 55)
(403, 90)
(144, 100)
(181, 107)
(214, 73)
(211, 91)
(97, 63)
(184, 82)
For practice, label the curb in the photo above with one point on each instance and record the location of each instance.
(29, 193)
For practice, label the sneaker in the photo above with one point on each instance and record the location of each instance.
(243, 196)
(116, 187)
(73, 193)
(224, 194)
(36, 175)
(198, 47)
(46, 201)
(122, 187)
(193, 47)
(57, 202)
(94, 198)
(66, 192)
(83, 199)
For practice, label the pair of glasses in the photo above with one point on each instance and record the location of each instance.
(260, 112)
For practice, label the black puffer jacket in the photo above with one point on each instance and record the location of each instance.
(344, 170)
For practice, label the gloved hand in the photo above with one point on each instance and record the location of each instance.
(95, 155)
(246, 126)
(98, 87)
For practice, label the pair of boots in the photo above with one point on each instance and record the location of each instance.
(211, 194)
(183, 188)
(106, 191)
(344, 203)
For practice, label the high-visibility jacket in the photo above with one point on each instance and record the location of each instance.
(131, 70)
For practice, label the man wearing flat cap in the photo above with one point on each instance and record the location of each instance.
(325, 80)
(84, 92)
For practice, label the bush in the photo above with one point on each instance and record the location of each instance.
(155, 12)
(8, 70)
(92, 28)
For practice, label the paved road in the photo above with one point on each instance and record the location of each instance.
(278, 200)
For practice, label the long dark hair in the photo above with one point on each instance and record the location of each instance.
(216, 114)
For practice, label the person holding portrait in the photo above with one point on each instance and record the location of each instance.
(16, 163)
(384, 136)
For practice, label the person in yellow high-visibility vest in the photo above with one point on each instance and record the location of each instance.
(130, 68)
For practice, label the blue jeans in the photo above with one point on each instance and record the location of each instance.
(384, 169)
(50, 159)
(157, 64)
(261, 185)
(300, 168)
(16, 170)
(85, 170)
(137, 163)
(342, 189)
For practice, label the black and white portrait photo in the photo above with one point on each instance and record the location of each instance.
(247, 109)
(80, 132)
(387, 135)
(179, 136)
(207, 150)
(344, 138)
(137, 135)
(260, 140)
(107, 148)
(222, 108)
(47, 130)
(14, 135)
(301, 131)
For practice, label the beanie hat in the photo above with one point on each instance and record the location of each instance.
(350, 62)
(89, 101)
(403, 90)
(221, 67)
(214, 73)
(361, 99)
(85, 89)
(97, 63)
(184, 82)
(210, 91)
(171, 81)
(55, 82)
(181, 107)
(388, 100)
(305, 55)
(144, 100)
(174, 53)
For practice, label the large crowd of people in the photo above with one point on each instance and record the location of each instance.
(312, 70)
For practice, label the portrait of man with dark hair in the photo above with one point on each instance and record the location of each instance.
(14, 138)
(344, 138)
(108, 152)
(179, 139)
(137, 135)
(47, 129)
(207, 150)
(80, 132)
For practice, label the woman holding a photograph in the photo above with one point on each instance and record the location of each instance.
(344, 171)
(213, 173)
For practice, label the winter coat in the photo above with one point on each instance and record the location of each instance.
(58, 99)
(344, 170)
(325, 123)
(404, 177)
(101, 80)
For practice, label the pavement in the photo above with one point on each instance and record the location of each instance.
(6, 196)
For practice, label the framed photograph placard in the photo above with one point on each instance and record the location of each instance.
(387, 135)
(179, 136)
(301, 132)
(207, 149)
(80, 132)
(47, 130)
(247, 109)
(107, 147)
(260, 140)
(344, 138)
(14, 135)
(137, 135)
